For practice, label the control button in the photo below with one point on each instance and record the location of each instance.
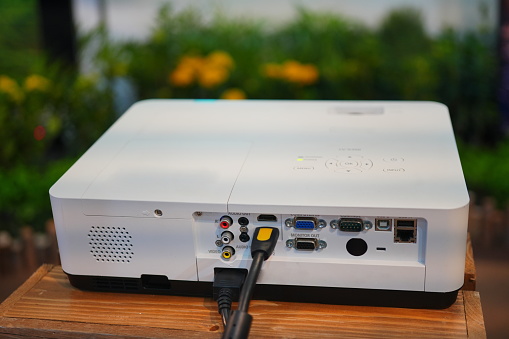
(331, 163)
(366, 164)
(394, 170)
(348, 163)
(394, 160)
(303, 168)
(347, 170)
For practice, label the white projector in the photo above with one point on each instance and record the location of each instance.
(369, 198)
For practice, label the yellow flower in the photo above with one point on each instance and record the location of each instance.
(186, 71)
(212, 76)
(208, 72)
(292, 71)
(220, 59)
(273, 71)
(36, 83)
(309, 74)
(10, 87)
(233, 94)
(193, 62)
(182, 76)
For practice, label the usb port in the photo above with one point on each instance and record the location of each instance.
(383, 224)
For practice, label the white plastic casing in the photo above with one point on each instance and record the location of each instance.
(146, 198)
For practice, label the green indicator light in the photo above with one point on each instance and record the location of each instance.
(300, 159)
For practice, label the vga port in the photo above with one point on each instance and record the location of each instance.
(305, 244)
(351, 224)
(305, 223)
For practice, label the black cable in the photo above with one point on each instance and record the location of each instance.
(263, 244)
(224, 303)
(225, 315)
(249, 284)
(226, 289)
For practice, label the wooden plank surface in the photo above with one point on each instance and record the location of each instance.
(474, 315)
(48, 306)
(470, 273)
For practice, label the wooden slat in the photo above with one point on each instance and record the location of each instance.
(470, 273)
(47, 306)
(474, 315)
(25, 288)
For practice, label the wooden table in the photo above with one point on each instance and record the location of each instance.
(47, 306)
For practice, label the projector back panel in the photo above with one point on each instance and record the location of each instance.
(367, 195)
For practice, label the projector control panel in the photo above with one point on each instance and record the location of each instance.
(352, 163)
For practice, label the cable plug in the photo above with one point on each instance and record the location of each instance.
(231, 278)
(264, 240)
(226, 288)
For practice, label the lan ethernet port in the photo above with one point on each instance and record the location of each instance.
(405, 230)
(404, 236)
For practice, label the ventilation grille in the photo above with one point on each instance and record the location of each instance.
(110, 244)
(115, 284)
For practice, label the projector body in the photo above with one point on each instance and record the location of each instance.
(369, 198)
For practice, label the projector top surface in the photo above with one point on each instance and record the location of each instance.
(273, 157)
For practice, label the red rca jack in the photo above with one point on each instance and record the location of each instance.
(225, 222)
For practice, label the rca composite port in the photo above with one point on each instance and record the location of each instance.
(227, 252)
(225, 221)
(226, 237)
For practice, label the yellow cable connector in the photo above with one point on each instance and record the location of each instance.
(264, 234)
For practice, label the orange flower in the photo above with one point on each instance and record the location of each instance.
(182, 76)
(208, 72)
(36, 83)
(194, 62)
(292, 71)
(233, 94)
(220, 59)
(212, 76)
(273, 71)
(11, 88)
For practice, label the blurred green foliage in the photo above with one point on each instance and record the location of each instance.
(396, 61)
(24, 198)
(18, 37)
(49, 116)
(486, 170)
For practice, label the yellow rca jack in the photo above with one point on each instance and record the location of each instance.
(227, 252)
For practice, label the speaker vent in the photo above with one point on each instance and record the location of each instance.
(110, 244)
(115, 284)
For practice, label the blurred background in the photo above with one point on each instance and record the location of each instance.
(68, 69)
